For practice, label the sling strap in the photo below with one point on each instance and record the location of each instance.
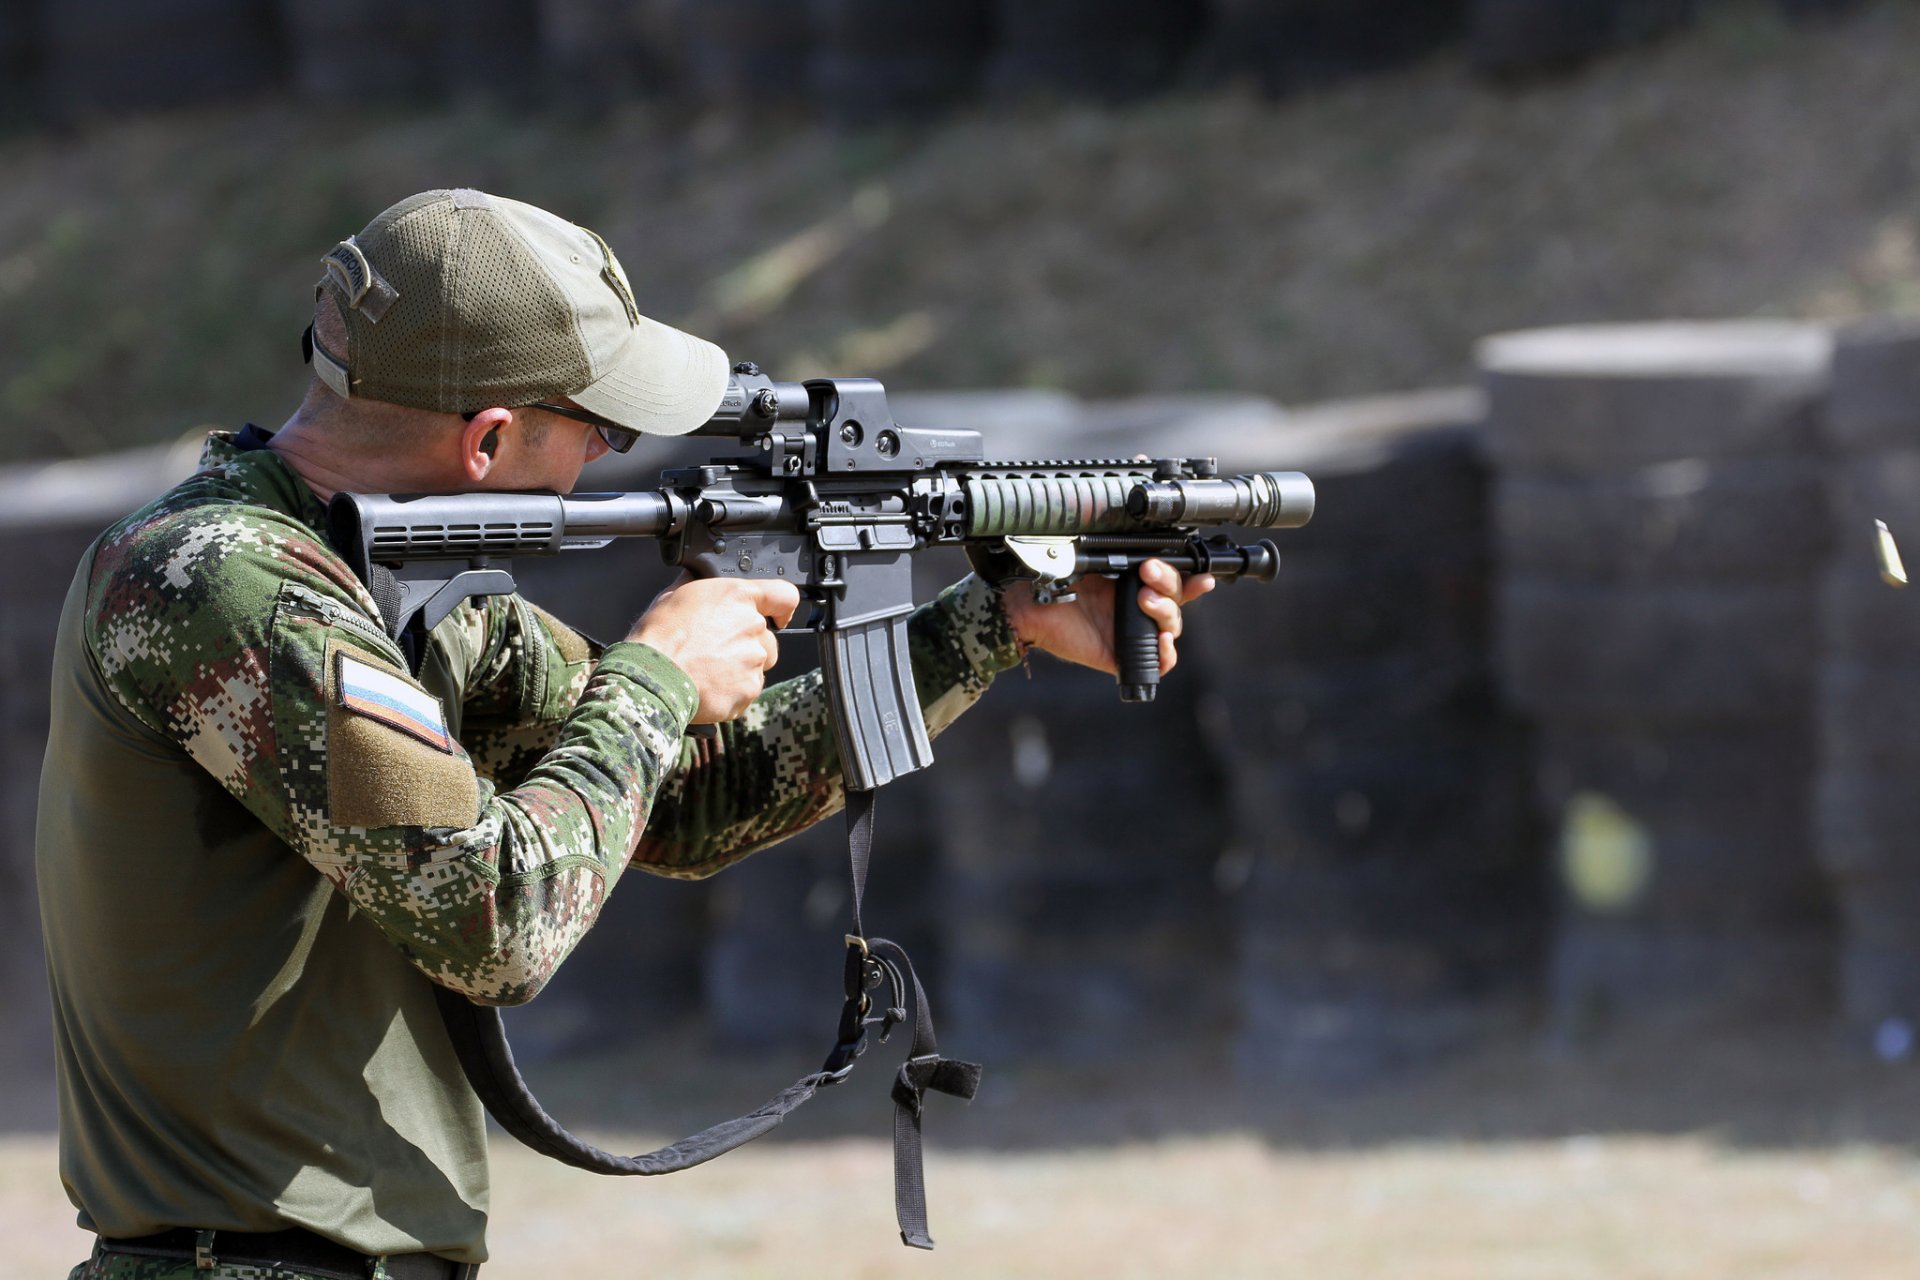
(879, 960)
(479, 1036)
(480, 1040)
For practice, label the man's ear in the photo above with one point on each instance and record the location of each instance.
(480, 441)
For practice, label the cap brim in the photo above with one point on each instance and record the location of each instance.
(663, 382)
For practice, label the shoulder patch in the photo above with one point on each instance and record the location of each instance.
(371, 691)
(389, 759)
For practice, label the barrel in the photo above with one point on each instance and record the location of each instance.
(1386, 880)
(121, 55)
(598, 53)
(876, 59)
(1870, 683)
(21, 53)
(1107, 49)
(1515, 39)
(337, 57)
(1662, 518)
(1290, 44)
(1080, 839)
(739, 53)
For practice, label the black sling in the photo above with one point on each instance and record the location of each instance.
(873, 966)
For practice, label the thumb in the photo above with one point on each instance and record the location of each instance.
(774, 599)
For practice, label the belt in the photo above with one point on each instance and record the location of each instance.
(295, 1249)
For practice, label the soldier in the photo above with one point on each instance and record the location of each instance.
(259, 829)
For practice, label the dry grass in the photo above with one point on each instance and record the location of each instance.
(1579, 1208)
(152, 273)
(1607, 1208)
(1757, 1156)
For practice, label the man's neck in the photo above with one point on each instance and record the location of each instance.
(328, 466)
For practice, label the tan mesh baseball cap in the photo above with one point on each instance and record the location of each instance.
(457, 300)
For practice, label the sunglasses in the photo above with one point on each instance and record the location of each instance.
(612, 434)
(616, 437)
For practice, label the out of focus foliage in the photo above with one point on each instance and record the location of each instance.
(155, 273)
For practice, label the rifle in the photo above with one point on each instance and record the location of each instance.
(836, 498)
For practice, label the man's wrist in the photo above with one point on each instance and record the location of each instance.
(985, 621)
(1017, 606)
(655, 673)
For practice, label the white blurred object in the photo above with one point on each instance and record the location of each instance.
(1892, 571)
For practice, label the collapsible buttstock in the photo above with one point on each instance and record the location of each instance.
(869, 675)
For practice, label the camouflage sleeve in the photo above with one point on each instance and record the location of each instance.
(522, 672)
(240, 639)
(776, 769)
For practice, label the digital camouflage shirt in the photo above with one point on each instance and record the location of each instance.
(244, 1044)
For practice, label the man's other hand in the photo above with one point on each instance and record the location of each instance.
(1082, 631)
(717, 631)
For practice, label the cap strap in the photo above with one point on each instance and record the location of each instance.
(366, 290)
(325, 367)
(331, 372)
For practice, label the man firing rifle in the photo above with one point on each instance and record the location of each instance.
(268, 834)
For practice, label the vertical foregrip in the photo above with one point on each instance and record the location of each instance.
(1136, 641)
(876, 712)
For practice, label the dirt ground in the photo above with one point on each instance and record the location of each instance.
(1755, 1155)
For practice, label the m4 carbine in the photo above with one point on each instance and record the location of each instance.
(835, 497)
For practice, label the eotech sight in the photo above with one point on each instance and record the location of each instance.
(836, 498)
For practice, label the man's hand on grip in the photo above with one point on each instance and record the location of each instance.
(717, 631)
(1082, 631)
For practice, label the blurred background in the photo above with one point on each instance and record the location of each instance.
(1523, 886)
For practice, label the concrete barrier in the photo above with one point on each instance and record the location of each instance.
(1870, 683)
(1658, 621)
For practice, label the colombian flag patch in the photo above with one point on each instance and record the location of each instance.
(367, 690)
